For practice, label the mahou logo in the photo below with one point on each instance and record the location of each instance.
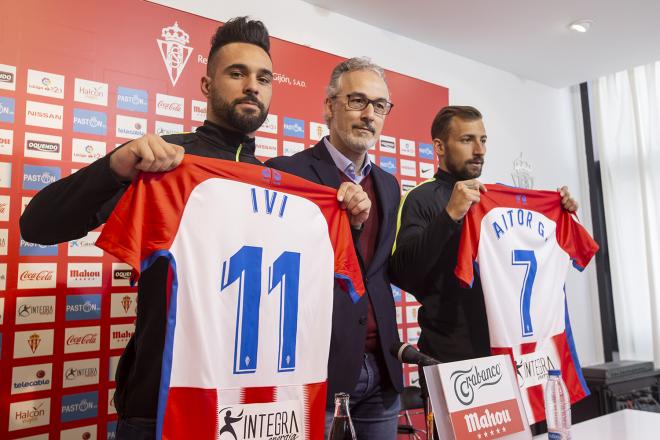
(174, 50)
(84, 275)
(36, 275)
(81, 339)
(120, 334)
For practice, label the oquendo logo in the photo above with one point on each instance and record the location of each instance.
(466, 382)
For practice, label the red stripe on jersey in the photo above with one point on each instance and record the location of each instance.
(258, 395)
(315, 397)
(191, 413)
(568, 370)
(537, 402)
(527, 348)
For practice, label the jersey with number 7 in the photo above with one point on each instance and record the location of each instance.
(522, 242)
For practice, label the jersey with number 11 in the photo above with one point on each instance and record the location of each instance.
(253, 254)
(522, 243)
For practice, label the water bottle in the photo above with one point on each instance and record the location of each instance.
(342, 425)
(557, 407)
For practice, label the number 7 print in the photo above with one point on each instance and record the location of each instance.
(525, 258)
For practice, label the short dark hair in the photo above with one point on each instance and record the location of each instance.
(239, 30)
(442, 121)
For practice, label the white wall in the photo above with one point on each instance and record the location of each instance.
(520, 115)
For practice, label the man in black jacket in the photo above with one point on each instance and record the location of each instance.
(360, 363)
(238, 87)
(452, 319)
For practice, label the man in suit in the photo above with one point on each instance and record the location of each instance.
(356, 104)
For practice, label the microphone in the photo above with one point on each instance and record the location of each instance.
(408, 354)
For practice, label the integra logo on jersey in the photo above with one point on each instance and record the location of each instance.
(532, 369)
(262, 421)
(466, 382)
(514, 218)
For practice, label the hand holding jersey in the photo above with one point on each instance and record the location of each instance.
(355, 201)
(150, 153)
(465, 193)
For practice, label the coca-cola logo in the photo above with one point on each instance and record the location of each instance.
(42, 275)
(89, 338)
(169, 106)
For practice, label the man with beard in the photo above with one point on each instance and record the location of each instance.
(238, 86)
(357, 101)
(452, 319)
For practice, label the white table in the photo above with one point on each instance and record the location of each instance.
(624, 424)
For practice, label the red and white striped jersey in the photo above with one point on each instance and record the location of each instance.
(252, 257)
(522, 242)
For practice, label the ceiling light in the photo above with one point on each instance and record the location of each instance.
(581, 26)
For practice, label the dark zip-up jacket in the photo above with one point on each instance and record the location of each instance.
(452, 319)
(71, 207)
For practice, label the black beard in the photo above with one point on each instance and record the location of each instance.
(241, 122)
(462, 173)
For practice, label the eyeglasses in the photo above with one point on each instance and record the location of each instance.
(357, 101)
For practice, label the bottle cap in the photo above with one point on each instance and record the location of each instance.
(554, 372)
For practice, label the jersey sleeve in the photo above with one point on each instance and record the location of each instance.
(468, 247)
(144, 221)
(575, 240)
(347, 267)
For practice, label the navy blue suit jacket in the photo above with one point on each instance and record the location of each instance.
(349, 320)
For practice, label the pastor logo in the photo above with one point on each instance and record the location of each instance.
(38, 177)
(7, 106)
(466, 382)
(135, 100)
(388, 164)
(91, 122)
(174, 50)
(30, 249)
(79, 406)
(294, 128)
(426, 151)
(81, 307)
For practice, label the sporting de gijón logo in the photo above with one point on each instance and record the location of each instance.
(174, 50)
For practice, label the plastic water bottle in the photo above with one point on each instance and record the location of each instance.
(557, 407)
(342, 425)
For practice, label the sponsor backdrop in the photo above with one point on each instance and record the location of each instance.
(77, 81)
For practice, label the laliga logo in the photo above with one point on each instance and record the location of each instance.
(174, 51)
(466, 381)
